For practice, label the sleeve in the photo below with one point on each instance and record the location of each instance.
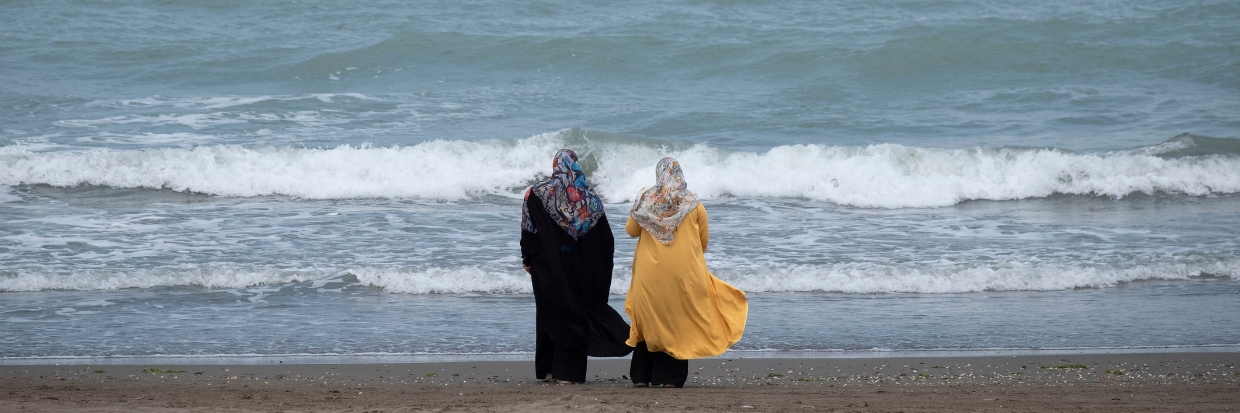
(603, 260)
(632, 228)
(529, 245)
(704, 225)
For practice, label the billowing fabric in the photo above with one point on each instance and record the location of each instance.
(660, 209)
(572, 280)
(567, 197)
(676, 305)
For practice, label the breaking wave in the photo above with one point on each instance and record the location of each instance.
(857, 278)
(876, 176)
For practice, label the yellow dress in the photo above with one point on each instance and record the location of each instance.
(676, 305)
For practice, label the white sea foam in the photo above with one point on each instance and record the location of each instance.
(449, 170)
(864, 278)
(210, 277)
(445, 281)
(882, 176)
(220, 102)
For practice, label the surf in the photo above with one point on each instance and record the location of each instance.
(873, 176)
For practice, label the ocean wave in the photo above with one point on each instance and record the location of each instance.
(851, 278)
(7, 195)
(219, 277)
(878, 176)
(221, 102)
(950, 278)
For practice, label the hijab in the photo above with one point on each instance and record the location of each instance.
(660, 209)
(566, 196)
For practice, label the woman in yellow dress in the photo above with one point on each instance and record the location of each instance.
(680, 311)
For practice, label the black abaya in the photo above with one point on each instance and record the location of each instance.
(572, 280)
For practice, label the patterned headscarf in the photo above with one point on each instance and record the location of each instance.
(566, 196)
(660, 209)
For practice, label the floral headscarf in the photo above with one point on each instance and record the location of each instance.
(566, 196)
(660, 209)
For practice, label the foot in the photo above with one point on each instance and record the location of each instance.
(564, 382)
(669, 386)
(548, 378)
(640, 385)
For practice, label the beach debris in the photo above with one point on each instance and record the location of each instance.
(154, 370)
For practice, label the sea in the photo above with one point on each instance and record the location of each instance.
(322, 181)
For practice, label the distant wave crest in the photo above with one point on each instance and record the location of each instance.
(877, 176)
(856, 278)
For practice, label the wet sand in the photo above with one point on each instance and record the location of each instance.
(1085, 382)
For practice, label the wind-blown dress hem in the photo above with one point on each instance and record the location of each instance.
(676, 305)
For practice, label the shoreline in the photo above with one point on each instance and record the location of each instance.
(1203, 381)
(291, 359)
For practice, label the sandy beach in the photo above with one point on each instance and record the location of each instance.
(875, 206)
(1083, 382)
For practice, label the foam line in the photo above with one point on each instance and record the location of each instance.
(877, 176)
(861, 278)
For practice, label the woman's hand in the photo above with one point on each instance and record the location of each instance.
(527, 268)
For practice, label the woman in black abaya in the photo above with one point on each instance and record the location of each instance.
(567, 246)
